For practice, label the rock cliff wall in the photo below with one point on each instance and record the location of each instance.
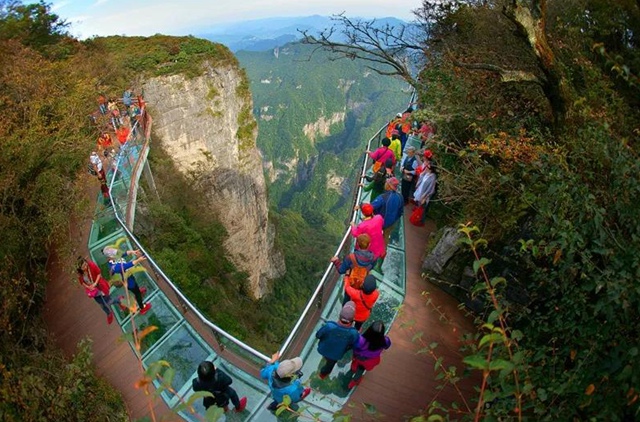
(206, 126)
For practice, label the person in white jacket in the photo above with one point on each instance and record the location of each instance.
(425, 188)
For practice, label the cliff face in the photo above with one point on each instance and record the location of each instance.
(206, 126)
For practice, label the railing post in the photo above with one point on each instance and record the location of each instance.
(320, 299)
(217, 336)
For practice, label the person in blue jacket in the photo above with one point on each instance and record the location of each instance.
(284, 380)
(118, 265)
(336, 338)
(390, 205)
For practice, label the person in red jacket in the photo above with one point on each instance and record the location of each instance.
(364, 299)
(96, 286)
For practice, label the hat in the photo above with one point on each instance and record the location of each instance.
(393, 183)
(399, 115)
(110, 251)
(428, 153)
(369, 284)
(367, 209)
(410, 148)
(348, 312)
(288, 367)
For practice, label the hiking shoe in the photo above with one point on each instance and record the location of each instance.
(322, 376)
(305, 393)
(242, 406)
(145, 309)
(110, 318)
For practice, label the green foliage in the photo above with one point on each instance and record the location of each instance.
(565, 190)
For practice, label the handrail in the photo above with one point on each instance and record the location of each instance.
(176, 290)
(324, 278)
(203, 318)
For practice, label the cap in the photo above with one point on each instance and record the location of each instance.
(393, 183)
(367, 209)
(110, 251)
(428, 153)
(348, 312)
(288, 367)
(399, 115)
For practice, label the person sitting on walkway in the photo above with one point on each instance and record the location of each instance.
(217, 383)
(364, 299)
(391, 206)
(336, 338)
(95, 286)
(284, 380)
(366, 354)
(378, 180)
(372, 225)
(120, 266)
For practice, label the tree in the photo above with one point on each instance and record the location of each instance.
(33, 24)
(391, 50)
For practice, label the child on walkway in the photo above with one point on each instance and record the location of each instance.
(366, 354)
(217, 383)
(336, 338)
(284, 380)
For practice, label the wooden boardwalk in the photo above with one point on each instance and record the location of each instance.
(400, 387)
(404, 383)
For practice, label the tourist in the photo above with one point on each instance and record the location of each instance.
(118, 265)
(336, 338)
(218, 383)
(425, 189)
(408, 169)
(284, 380)
(95, 286)
(380, 155)
(378, 180)
(366, 353)
(363, 299)
(390, 205)
(372, 225)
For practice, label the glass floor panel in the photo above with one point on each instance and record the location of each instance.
(161, 315)
(393, 268)
(309, 413)
(184, 350)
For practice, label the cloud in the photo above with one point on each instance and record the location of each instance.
(99, 2)
(59, 5)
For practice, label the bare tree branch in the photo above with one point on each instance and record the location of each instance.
(505, 74)
(385, 45)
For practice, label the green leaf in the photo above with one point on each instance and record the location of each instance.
(281, 408)
(499, 364)
(213, 413)
(491, 338)
(371, 409)
(435, 418)
(286, 400)
(497, 280)
(417, 336)
(198, 395)
(476, 361)
(168, 376)
(478, 263)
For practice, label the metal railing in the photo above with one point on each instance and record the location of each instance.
(217, 330)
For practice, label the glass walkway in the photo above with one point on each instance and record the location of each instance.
(178, 342)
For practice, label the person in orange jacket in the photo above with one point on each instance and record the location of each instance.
(364, 299)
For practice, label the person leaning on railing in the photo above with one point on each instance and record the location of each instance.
(120, 266)
(284, 380)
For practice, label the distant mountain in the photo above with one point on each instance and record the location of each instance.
(265, 34)
(314, 116)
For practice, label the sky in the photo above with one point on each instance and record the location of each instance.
(183, 17)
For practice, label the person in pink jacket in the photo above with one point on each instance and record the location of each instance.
(371, 225)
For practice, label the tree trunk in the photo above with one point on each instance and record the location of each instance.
(530, 20)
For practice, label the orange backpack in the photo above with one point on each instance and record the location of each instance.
(355, 277)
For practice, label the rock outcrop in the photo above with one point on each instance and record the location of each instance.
(206, 125)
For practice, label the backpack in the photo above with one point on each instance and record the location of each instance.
(357, 274)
